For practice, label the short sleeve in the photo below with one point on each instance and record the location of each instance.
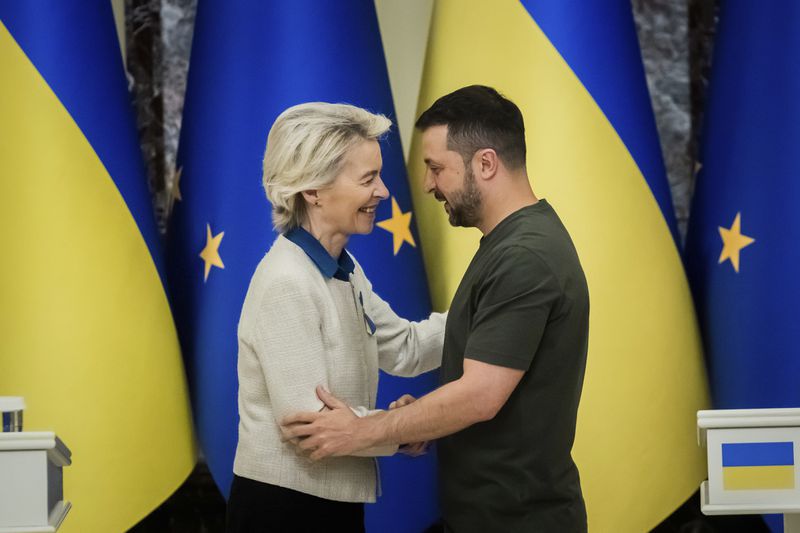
(512, 306)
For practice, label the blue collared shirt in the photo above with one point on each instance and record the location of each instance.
(330, 267)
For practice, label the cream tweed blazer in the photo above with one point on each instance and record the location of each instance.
(299, 329)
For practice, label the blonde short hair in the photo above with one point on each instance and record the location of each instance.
(305, 150)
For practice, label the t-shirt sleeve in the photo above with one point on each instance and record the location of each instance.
(513, 305)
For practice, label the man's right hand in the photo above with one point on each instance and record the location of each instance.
(413, 449)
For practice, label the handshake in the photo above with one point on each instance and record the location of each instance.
(413, 449)
(337, 430)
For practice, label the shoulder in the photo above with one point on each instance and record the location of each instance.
(540, 241)
(285, 269)
(521, 260)
(512, 273)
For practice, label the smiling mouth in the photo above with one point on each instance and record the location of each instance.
(370, 210)
(440, 197)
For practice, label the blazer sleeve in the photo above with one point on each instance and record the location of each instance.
(291, 352)
(287, 340)
(406, 348)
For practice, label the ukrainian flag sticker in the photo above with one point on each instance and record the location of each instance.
(758, 465)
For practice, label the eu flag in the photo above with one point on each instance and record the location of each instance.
(250, 61)
(86, 332)
(741, 248)
(742, 244)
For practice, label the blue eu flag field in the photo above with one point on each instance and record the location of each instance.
(742, 248)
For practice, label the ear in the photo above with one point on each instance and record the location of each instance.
(311, 196)
(487, 163)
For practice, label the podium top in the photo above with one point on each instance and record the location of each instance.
(12, 403)
(57, 451)
(745, 418)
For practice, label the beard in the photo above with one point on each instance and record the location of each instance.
(465, 205)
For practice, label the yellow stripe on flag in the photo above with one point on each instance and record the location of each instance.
(87, 333)
(758, 477)
(636, 447)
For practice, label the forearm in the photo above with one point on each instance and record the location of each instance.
(444, 411)
(475, 397)
(380, 450)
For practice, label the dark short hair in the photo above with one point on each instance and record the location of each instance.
(479, 117)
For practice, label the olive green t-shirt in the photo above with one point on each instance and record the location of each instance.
(523, 303)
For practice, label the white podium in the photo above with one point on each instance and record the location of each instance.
(31, 484)
(753, 457)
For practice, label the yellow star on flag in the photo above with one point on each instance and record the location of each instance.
(399, 226)
(210, 253)
(733, 241)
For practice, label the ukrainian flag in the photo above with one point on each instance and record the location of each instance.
(575, 70)
(250, 61)
(758, 465)
(86, 332)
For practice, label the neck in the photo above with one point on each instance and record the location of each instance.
(333, 242)
(505, 199)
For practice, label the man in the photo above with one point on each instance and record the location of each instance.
(515, 342)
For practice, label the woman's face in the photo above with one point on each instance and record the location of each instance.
(348, 205)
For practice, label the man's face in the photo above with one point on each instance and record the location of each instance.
(449, 180)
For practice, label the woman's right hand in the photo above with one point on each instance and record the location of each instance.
(402, 401)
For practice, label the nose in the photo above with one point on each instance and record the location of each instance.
(427, 181)
(380, 190)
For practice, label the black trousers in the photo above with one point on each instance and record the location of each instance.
(255, 507)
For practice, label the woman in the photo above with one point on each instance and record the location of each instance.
(310, 318)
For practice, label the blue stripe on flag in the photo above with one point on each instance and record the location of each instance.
(758, 454)
(606, 59)
(94, 93)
